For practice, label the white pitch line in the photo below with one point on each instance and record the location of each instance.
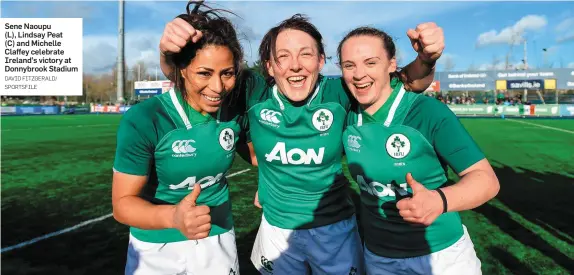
(82, 224)
(542, 126)
(237, 173)
(49, 235)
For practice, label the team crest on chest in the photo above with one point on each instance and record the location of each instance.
(227, 139)
(398, 146)
(322, 119)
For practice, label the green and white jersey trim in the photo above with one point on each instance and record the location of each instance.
(392, 111)
(282, 106)
(179, 109)
(181, 112)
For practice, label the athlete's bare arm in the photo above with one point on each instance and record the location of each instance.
(478, 184)
(427, 40)
(175, 36)
(130, 209)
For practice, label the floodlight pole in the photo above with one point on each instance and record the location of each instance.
(525, 99)
(525, 56)
(121, 63)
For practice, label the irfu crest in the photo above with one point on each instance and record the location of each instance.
(322, 119)
(398, 146)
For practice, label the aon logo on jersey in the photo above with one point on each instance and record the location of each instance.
(381, 190)
(295, 156)
(191, 181)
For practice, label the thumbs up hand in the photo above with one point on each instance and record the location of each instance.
(424, 206)
(191, 220)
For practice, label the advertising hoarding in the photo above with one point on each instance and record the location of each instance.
(551, 79)
(525, 84)
(152, 88)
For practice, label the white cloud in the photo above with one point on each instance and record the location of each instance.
(512, 34)
(446, 56)
(571, 65)
(100, 51)
(565, 25)
(565, 38)
(565, 30)
(499, 66)
(487, 66)
(447, 62)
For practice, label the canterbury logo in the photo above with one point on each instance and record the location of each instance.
(183, 146)
(353, 141)
(270, 116)
(267, 264)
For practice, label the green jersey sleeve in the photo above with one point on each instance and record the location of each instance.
(447, 135)
(135, 143)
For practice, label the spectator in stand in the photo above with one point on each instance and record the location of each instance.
(440, 98)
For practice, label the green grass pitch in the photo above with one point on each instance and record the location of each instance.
(56, 173)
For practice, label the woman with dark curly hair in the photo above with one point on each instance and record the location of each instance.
(172, 153)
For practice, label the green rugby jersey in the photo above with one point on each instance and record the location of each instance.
(298, 148)
(409, 133)
(176, 147)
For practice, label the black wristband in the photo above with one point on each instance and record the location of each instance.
(444, 204)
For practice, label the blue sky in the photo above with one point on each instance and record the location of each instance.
(479, 35)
